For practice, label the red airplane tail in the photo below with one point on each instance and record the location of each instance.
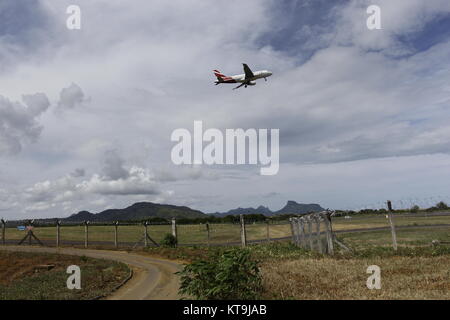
(220, 76)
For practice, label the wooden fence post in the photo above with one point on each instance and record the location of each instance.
(3, 231)
(58, 225)
(267, 230)
(174, 228)
(330, 247)
(86, 234)
(208, 236)
(116, 234)
(243, 231)
(391, 222)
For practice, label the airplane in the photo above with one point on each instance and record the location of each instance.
(245, 79)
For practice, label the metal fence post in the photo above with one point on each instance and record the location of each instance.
(310, 233)
(86, 234)
(31, 226)
(243, 231)
(301, 229)
(327, 220)
(208, 233)
(174, 228)
(297, 231)
(3, 231)
(116, 236)
(391, 222)
(291, 221)
(145, 234)
(319, 239)
(58, 225)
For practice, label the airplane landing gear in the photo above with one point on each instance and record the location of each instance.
(265, 79)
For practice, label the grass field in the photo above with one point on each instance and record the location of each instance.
(21, 280)
(373, 221)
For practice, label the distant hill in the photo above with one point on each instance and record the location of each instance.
(138, 211)
(299, 208)
(291, 207)
(238, 211)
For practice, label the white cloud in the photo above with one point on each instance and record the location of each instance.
(70, 97)
(19, 123)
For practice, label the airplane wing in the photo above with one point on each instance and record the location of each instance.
(248, 72)
(242, 84)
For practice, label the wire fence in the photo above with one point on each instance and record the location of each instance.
(311, 231)
(120, 234)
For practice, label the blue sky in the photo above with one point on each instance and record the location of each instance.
(86, 116)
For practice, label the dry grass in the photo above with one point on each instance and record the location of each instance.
(328, 278)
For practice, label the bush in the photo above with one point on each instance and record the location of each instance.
(230, 275)
(414, 209)
(169, 241)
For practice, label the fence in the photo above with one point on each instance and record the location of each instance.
(311, 232)
(119, 234)
(314, 232)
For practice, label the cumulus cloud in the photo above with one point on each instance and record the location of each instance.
(79, 172)
(70, 97)
(19, 122)
(113, 166)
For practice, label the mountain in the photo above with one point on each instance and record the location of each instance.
(291, 207)
(260, 210)
(138, 211)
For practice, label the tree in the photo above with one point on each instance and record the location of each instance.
(442, 206)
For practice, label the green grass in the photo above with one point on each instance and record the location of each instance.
(20, 281)
(373, 221)
(405, 237)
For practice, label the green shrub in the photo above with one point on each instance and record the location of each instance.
(228, 275)
(169, 241)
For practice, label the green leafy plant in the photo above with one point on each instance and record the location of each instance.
(227, 275)
(169, 241)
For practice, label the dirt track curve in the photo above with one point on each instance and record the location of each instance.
(153, 279)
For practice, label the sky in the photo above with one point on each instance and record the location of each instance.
(86, 115)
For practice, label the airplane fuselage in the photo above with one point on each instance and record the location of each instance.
(258, 75)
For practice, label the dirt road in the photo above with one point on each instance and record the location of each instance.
(153, 279)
